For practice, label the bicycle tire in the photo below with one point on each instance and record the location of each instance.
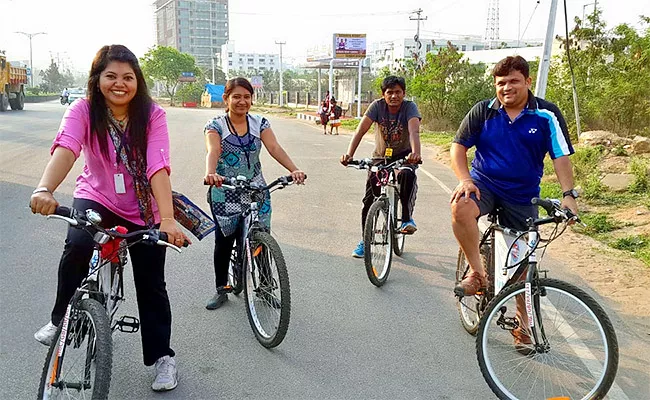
(384, 256)
(469, 307)
(234, 272)
(398, 238)
(564, 342)
(261, 290)
(78, 334)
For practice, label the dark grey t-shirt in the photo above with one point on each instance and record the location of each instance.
(392, 129)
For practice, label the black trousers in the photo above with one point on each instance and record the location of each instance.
(408, 188)
(222, 251)
(148, 274)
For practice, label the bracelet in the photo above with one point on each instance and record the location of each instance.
(467, 180)
(41, 189)
(166, 219)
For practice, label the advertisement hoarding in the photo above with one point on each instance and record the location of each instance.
(349, 45)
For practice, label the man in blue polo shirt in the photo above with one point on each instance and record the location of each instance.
(512, 134)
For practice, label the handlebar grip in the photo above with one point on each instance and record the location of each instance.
(164, 238)
(64, 211)
(546, 204)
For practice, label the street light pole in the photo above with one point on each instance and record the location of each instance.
(281, 93)
(31, 66)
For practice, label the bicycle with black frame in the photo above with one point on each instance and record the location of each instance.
(537, 337)
(381, 234)
(79, 360)
(257, 266)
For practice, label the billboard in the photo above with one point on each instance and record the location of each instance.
(349, 45)
(257, 82)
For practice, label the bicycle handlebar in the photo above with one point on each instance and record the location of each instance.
(242, 182)
(368, 163)
(555, 211)
(73, 218)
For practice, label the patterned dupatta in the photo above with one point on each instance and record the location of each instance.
(136, 166)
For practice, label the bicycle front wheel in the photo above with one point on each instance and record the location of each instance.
(574, 356)
(80, 367)
(234, 271)
(398, 237)
(267, 292)
(377, 241)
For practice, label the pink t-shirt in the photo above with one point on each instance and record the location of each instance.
(97, 182)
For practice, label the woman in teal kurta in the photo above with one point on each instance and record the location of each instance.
(234, 142)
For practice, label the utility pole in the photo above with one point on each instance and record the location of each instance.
(31, 66)
(419, 18)
(281, 94)
(545, 62)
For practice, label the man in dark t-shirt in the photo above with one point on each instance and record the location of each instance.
(397, 135)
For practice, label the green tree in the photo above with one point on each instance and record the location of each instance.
(166, 64)
(53, 80)
(190, 91)
(447, 86)
(612, 73)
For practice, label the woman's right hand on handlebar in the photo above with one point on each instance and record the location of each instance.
(213, 179)
(345, 158)
(43, 203)
(464, 189)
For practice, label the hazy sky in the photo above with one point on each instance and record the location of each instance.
(76, 29)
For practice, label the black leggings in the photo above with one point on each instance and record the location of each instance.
(148, 274)
(408, 188)
(222, 251)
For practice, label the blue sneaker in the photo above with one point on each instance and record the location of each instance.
(358, 252)
(408, 227)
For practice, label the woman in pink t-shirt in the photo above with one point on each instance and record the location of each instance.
(123, 135)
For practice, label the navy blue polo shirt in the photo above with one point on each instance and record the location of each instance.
(510, 154)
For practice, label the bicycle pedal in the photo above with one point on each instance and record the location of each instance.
(127, 324)
(227, 289)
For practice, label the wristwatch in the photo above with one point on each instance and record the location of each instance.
(571, 192)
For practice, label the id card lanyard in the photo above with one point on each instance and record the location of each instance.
(244, 148)
(390, 130)
(118, 177)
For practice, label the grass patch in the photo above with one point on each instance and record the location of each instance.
(551, 190)
(598, 223)
(639, 169)
(585, 161)
(437, 138)
(351, 124)
(637, 245)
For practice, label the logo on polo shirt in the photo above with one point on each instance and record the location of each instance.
(532, 130)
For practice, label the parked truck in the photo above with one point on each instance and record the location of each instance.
(13, 81)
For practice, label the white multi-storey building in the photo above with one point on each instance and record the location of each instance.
(231, 61)
(392, 53)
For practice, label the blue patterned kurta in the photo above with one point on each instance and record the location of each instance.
(239, 156)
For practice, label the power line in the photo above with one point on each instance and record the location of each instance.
(377, 14)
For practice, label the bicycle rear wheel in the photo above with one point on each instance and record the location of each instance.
(80, 367)
(398, 237)
(576, 357)
(267, 291)
(377, 241)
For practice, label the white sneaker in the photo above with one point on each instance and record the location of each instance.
(166, 374)
(46, 334)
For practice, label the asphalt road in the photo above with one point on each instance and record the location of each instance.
(347, 339)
